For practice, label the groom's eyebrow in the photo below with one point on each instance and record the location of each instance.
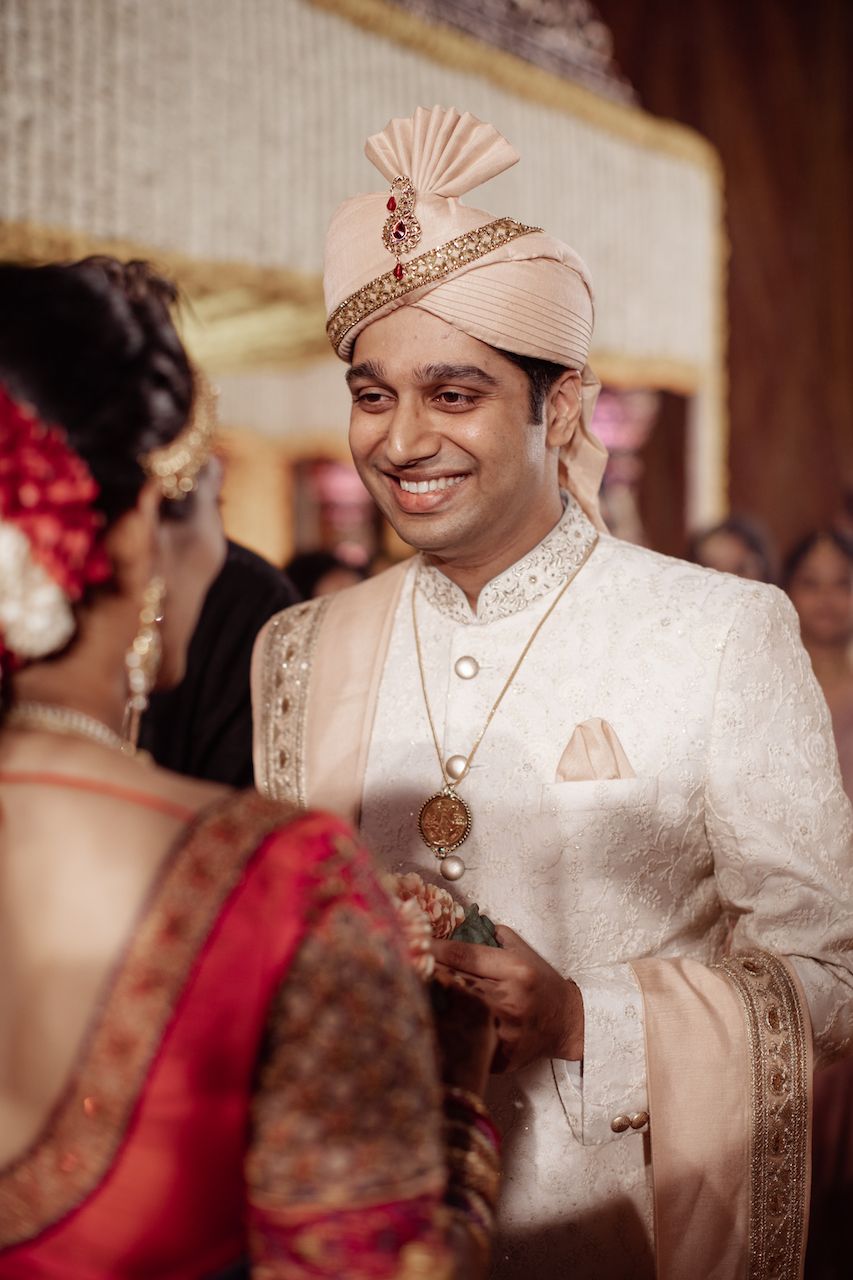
(428, 374)
(370, 369)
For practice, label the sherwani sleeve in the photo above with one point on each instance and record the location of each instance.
(734, 1040)
(611, 1085)
(777, 818)
(780, 831)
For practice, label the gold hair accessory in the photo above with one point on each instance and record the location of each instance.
(177, 465)
(402, 231)
(142, 661)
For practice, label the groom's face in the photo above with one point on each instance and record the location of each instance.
(441, 435)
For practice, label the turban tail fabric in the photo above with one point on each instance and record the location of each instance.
(494, 279)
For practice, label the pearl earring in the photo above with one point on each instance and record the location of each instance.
(142, 662)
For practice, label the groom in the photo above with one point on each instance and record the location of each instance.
(622, 758)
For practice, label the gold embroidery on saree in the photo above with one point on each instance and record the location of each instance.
(779, 1113)
(287, 657)
(73, 1155)
(354, 1012)
(347, 1156)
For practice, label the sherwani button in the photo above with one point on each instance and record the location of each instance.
(639, 1119)
(466, 667)
(620, 1123)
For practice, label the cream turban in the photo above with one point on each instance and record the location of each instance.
(495, 279)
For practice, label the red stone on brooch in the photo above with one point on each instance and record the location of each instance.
(401, 232)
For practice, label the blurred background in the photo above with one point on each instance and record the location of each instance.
(698, 156)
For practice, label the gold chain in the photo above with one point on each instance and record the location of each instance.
(451, 782)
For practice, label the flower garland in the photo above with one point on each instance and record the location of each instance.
(425, 911)
(50, 535)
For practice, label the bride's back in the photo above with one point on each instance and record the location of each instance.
(80, 853)
(110, 538)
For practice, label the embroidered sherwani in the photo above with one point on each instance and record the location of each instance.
(734, 835)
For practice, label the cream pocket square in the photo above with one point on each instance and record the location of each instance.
(594, 753)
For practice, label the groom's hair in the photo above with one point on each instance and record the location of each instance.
(541, 376)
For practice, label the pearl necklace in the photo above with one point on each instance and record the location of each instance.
(55, 719)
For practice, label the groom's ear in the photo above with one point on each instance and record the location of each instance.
(563, 409)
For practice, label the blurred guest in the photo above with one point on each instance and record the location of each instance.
(321, 573)
(203, 728)
(818, 577)
(843, 520)
(736, 545)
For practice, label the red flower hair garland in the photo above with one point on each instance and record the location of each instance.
(50, 533)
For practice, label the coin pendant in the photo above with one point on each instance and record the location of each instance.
(444, 821)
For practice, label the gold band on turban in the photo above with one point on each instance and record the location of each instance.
(507, 284)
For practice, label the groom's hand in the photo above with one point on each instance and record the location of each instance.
(539, 1014)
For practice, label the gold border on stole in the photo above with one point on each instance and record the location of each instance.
(280, 721)
(779, 1042)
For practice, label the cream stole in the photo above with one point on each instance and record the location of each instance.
(728, 1048)
(346, 671)
(729, 1068)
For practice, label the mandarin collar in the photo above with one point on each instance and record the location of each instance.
(557, 557)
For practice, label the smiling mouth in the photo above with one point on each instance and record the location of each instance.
(428, 486)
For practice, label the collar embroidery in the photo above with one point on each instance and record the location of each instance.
(559, 555)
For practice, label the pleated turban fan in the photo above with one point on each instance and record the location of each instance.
(509, 285)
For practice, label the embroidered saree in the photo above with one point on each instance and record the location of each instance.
(258, 1080)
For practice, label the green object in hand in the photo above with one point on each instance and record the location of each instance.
(475, 928)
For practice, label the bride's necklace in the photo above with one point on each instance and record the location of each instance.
(54, 719)
(445, 819)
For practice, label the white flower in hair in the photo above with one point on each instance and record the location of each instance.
(35, 616)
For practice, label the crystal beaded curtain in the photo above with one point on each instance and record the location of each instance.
(230, 130)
